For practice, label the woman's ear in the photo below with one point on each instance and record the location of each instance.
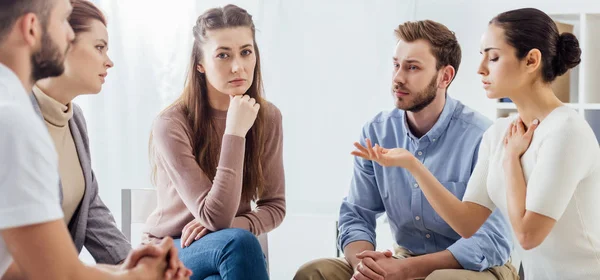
(200, 68)
(533, 60)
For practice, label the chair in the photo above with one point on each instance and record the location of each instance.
(138, 204)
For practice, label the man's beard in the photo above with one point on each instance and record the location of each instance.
(422, 98)
(48, 61)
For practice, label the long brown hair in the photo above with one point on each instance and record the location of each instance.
(196, 106)
(83, 12)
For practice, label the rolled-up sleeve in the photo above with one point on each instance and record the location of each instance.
(363, 204)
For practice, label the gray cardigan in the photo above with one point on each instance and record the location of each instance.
(92, 224)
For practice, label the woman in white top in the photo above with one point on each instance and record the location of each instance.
(547, 182)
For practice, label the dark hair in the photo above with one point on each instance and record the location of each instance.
(12, 10)
(196, 106)
(529, 28)
(83, 12)
(444, 46)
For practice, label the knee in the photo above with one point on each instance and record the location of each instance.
(241, 238)
(313, 270)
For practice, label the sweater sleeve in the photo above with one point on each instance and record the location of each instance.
(270, 207)
(215, 203)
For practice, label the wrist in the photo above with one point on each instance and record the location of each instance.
(234, 132)
(510, 158)
(413, 164)
(406, 268)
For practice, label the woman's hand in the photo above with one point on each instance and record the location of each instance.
(385, 157)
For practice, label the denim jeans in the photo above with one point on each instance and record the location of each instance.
(229, 254)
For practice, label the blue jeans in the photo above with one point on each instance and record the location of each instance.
(229, 254)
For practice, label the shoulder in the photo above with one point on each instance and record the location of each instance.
(173, 116)
(24, 134)
(16, 122)
(272, 113)
(470, 119)
(78, 117)
(568, 127)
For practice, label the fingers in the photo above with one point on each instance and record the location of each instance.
(245, 97)
(374, 254)
(373, 266)
(532, 128)
(166, 244)
(174, 261)
(192, 236)
(143, 251)
(361, 148)
(520, 127)
(364, 272)
(513, 129)
(201, 233)
(369, 149)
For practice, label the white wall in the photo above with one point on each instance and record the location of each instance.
(326, 65)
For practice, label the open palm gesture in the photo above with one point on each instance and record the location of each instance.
(385, 157)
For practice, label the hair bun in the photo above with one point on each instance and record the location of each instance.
(568, 53)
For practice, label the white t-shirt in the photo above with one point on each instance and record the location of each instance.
(562, 171)
(29, 191)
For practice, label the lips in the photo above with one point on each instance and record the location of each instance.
(237, 82)
(401, 93)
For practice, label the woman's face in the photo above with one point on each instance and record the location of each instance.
(502, 73)
(87, 62)
(229, 60)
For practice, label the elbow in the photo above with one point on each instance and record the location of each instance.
(466, 232)
(528, 241)
(216, 225)
(214, 222)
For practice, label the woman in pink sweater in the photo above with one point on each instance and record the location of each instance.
(217, 149)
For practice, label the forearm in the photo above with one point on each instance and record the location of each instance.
(456, 213)
(420, 267)
(108, 268)
(104, 272)
(354, 248)
(530, 228)
(516, 191)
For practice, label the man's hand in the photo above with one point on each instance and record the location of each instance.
(376, 265)
(165, 250)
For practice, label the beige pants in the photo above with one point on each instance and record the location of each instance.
(339, 269)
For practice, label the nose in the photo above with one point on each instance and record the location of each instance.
(109, 63)
(70, 34)
(482, 70)
(399, 77)
(236, 66)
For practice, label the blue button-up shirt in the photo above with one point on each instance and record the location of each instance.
(449, 150)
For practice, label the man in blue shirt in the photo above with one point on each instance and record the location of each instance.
(444, 135)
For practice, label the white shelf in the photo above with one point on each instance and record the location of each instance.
(512, 106)
(590, 106)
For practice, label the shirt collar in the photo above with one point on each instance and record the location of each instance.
(440, 125)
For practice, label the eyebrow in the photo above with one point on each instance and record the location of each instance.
(412, 60)
(488, 49)
(228, 48)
